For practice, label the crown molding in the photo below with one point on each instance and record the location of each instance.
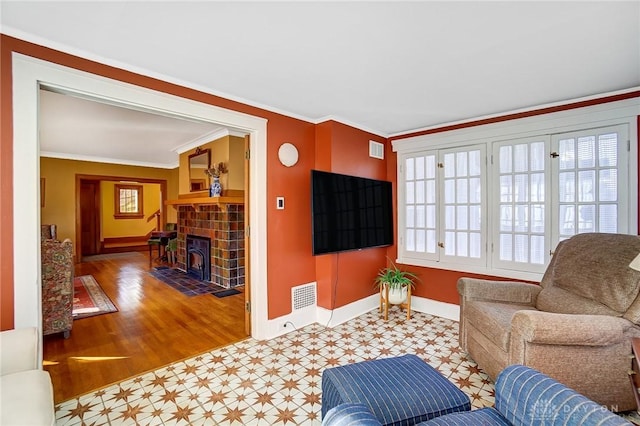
(66, 156)
(526, 110)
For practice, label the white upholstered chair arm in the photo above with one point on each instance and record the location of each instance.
(19, 350)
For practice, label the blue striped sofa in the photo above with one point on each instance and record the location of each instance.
(523, 397)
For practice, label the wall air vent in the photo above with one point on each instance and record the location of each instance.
(376, 150)
(303, 296)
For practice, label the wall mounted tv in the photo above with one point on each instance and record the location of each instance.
(350, 212)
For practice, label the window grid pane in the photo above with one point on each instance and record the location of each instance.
(420, 204)
(522, 197)
(128, 201)
(462, 203)
(588, 188)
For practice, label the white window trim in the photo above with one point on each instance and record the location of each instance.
(601, 115)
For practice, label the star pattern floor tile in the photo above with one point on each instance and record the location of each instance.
(278, 381)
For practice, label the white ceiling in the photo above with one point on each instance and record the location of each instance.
(387, 67)
(81, 129)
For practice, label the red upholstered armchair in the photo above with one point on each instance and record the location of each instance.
(57, 286)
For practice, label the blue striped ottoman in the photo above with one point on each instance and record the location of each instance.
(399, 391)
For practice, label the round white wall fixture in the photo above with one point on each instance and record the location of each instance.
(288, 154)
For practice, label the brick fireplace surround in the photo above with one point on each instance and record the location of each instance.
(225, 227)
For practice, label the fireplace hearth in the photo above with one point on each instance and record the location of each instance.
(199, 257)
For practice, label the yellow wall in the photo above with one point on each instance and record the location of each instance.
(227, 149)
(236, 163)
(60, 188)
(112, 227)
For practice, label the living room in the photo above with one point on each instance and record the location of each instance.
(281, 241)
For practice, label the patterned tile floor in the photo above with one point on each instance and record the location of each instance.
(278, 381)
(274, 382)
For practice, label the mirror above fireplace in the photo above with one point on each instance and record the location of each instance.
(199, 161)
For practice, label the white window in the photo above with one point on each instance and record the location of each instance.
(443, 205)
(590, 195)
(520, 182)
(420, 201)
(503, 214)
(462, 204)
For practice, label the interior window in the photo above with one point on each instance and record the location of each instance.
(128, 201)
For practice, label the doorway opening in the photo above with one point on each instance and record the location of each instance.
(29, 74)
(96, 222)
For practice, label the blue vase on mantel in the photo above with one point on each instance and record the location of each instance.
(215, 189)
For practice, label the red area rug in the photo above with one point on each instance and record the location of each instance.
(89, 299)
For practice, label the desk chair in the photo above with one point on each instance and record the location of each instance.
(160, 242)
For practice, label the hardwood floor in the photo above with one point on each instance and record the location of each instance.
(156, 325)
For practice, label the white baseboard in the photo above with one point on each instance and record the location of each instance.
(345, 313)
(315, 314)
(435, 307)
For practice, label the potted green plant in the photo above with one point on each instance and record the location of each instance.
(397, 281)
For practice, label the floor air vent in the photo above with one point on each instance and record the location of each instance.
(303, 296)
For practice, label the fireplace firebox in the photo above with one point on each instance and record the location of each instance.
(199, 257)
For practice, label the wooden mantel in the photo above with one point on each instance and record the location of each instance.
(196, 202)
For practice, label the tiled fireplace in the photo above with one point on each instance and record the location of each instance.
(224, 226)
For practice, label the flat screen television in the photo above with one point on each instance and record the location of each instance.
(350, 212)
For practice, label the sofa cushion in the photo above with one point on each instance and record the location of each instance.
(26, 398)
(350, 415)
(483, 417)
(525, 396)
(493, 319)
(592, 283)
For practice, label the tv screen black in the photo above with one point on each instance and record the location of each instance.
(350, 212)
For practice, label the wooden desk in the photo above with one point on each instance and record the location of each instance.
(164, 234)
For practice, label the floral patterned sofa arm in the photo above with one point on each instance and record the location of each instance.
(57, 286)
(48, 232)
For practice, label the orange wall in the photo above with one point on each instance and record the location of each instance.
(6, 190)
(348, 276)
(289, 230)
